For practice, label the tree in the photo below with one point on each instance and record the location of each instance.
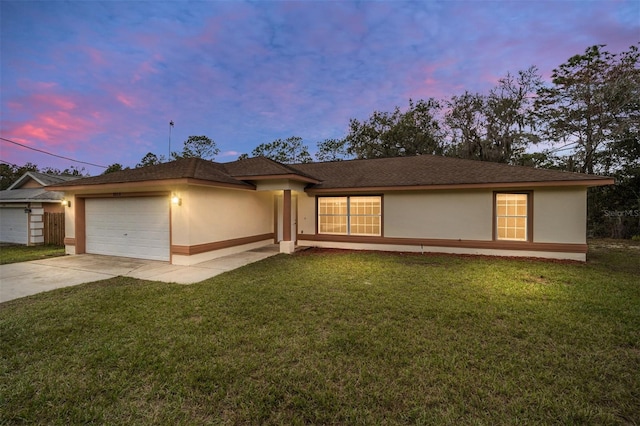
(9, 173)
(288, 151)
(332, 150)
(594, 101)
(395, 134)
(198, 147)
(495, 127)
(69, 171)
(150, 160)
(115, 167)
(466, 124)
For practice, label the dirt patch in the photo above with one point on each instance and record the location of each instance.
(615, 244)
(541, 279)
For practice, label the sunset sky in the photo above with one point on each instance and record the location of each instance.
(100, 81)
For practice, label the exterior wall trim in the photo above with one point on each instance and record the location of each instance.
(489, 185)
(203, 248)
(471, 244)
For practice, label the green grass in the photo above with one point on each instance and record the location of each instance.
(15, 253)
(335, 338)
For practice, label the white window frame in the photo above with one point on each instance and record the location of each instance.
(349, 215)
(527, 216)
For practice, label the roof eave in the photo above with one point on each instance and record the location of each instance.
(290, 176)
(31, 200)
(124, 186)
(486, 185)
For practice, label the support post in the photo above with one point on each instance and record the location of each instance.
(286, 245)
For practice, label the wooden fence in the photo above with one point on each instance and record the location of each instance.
(54, 228)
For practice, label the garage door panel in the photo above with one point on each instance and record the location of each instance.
(13, 225)
(131, 227)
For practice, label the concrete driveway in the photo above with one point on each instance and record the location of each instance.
(27, 278)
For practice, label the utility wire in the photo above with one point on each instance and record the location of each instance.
(8, 163)
(48, 153)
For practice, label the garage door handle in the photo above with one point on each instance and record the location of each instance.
(125, 234)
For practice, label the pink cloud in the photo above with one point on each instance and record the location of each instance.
(56, 128)
(31, 85)
(146, 68)
(57, 101)
(126, 100)
(26, 132)
(97, 57)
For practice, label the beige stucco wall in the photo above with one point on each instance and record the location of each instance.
(217, 214)
(30, 183)
(425, 214)
(279, 185)
(70, 216)
(560, 215)
(306, 213)
(457, 215)
(70, 222)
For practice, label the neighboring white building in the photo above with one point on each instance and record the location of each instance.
(24, 204)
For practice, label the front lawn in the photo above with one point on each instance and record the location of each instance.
(335, 338)
(16, 253)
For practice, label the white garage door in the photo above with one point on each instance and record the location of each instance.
(13, 225)
(130, 227)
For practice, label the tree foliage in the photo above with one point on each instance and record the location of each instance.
(332, 150)
(287, 151)
(9, 173)
(495, 127)
(396, 134)
(594, 101)
(150, 159)
(115, 167)
(197, 147)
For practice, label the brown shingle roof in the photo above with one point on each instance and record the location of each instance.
(388, 173)
(187, 168)
(260, 167)
(430, 170)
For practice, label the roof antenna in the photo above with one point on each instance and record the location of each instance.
(170, 127)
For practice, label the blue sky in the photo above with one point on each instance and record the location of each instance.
(100, 81)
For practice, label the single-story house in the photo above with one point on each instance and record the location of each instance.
(191, 210)
(24, 204)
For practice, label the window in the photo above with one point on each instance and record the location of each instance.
(350, 215)
(512, 211)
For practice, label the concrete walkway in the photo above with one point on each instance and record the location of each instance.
(27, 278)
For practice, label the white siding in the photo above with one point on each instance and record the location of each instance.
(13, 225)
